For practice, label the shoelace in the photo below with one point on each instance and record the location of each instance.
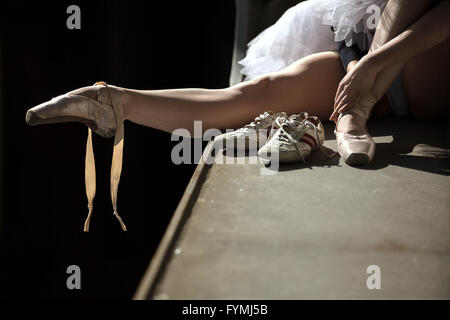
(303, 125)
(286, 137)
(116, 165)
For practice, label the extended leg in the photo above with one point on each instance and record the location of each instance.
(307, 85)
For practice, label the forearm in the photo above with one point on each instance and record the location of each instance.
(425, 33)
(351, 65)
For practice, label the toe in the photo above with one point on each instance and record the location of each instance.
(31, 118)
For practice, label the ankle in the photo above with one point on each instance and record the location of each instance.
(364, 106)
(125, 97)
(351, 123)
(120, 97)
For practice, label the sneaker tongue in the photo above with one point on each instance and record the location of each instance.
(291, 123)
(295, 117)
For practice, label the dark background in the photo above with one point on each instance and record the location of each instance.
(135, 44)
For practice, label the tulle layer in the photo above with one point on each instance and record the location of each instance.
(305, 29)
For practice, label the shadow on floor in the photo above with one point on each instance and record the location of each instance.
(415, 144)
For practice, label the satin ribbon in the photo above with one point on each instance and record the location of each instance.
(116, 165)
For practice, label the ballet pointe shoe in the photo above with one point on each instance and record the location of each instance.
(96, 114)
(357, 149)
(104, 116)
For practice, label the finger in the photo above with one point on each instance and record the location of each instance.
(341, 86)
(334, 116)
(344, 100)
(346, 91)
(345, 107)
(349, 94)
(349, 105)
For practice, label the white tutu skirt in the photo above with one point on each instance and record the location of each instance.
(306, 29)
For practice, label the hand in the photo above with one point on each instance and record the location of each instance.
(355, 85)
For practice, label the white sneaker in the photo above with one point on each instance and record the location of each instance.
(295, 138)
(252, 134)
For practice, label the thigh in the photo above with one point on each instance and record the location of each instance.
(426, 80)
(308, 84)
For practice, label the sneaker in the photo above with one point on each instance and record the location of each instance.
(251, 134)
(295, 138)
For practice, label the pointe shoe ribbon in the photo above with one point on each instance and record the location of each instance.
(104, 96)
(355, 149)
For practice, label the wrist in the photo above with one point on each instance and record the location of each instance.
(371, 60)
(351, 65)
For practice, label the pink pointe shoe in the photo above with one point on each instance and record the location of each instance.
(104, 116)
(357, 149)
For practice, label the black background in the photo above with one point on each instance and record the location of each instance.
(135, 44)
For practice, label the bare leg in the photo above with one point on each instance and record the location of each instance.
(307, 85)
(396, 17)
(426, 80)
